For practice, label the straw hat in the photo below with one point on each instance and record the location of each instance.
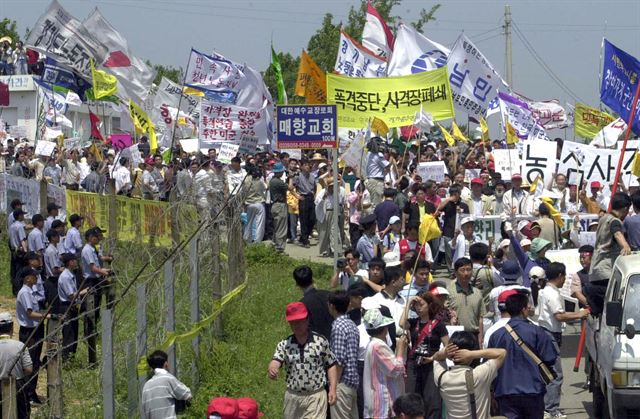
(318, 157)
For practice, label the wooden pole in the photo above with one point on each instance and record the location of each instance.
(194, 293)
(170, 321)
(54, 370)
(108, 372)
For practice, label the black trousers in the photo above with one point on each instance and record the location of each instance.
(17, 262)
(69, 329)
(307, 210)
(34, 344)
(420, 380)
(354, 234)
(522, 407)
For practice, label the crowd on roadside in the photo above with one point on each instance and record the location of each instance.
(16, 59)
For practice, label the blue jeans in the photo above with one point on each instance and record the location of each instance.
(554, 388)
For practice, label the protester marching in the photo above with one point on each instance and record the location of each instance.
(460, 252)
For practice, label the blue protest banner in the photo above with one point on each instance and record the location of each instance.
(619, 82)
(307, 126)
(55, 75)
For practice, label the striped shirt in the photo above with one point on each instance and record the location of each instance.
(383, 379)
(160, 393)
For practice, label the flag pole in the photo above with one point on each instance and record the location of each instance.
(624, 144)
(182, 93)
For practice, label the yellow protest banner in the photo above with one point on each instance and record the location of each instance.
(103, 84)
(447, 137)
(512, 136)
(588, 121)
(635, 167)
(395, 100)
(485, 129)
(143, 124)
(311, 82)
(457, 133)
(93, 207)
(379, 127)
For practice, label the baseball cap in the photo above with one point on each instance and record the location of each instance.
(15, 203)
(374, 319)
(5, 317)
(537, 273)
(370, 303)
(391, 259)
(467, 220)
(522, 224)
(278, 168)
(248, 409)
(66, 257)
(525, 242)
(516, 176)
(322, 165)
(502, 298)
(296, 311)
(225, 407)
(394, 219)
(149, 161)
(505, 243)
(596, 184)
(53, 206)
(510, 270)
(477, 181)
(18, 213)
(440, 291)
(368, 219)
(57, 223)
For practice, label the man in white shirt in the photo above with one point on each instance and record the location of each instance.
(235, 176)
(122, 177)
(514, 197)
(160, 393)
(551, 315)
(377, 167)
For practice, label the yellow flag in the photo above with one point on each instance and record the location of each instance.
(97, 153)
(457, 133)
(193, 92)
(635, 168)
(429, 229)
(143, 124)
(485, 129)
(512, 136)
(311, 82)
(555, 214)
(589, 121)
(447, 137)
(537, 186)
(379, 127)
(103, 84)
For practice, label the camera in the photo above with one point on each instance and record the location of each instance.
(421, 354)
(341, 263)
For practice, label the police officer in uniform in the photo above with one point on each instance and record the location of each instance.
(18, 247)
(69, 301)
(16, 362)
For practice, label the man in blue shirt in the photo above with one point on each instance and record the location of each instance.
(73, 240)
(519, 387)
(632, 223)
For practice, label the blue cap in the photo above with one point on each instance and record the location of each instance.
(278, 168)
(510, 270)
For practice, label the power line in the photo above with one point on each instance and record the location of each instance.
(544, 65)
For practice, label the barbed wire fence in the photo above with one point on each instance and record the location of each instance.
(161, 297)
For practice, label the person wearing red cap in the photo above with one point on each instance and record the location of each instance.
(223, 408)
(160, 393)
(308, 361)
(478, 203)
(593, 204)
(515, 198)
(248, 409)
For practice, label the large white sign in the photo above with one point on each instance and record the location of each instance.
(432, 171)
(221, 123)
(18, 83)
(507, 162)
(539, 158)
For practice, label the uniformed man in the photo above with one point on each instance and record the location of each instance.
(31, 321)
(18, 246)
(35, 239)
(73, 240)
(16, 362)
(52, 215)
(69, 300)
(52, 270)
(16, 204)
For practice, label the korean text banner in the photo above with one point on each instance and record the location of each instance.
(589, 121)
(395, 100)
(306, 126)
(619, 82)
(222, 123)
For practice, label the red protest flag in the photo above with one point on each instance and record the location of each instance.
(95, 126)
(4, 94)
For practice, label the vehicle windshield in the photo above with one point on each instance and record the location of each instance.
(632, 303)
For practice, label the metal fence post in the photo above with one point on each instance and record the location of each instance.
(170, 321)
(141, 331)
(132, 380)
(108, 390)
(194, 293)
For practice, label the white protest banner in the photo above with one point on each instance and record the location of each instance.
(608, 136)
(432, 171)
(354, 60)
(294, 154)
(587, 237)
(518, 114)
(227, 152)
(58, 195)
(211, 73)
(133, 154)
(189, 145)
(59, 35)
(45, 148)
(474, 82)
(549, 114)
(507, 162)
(52, 133)
(26, 190)
(220, 123)
(539, 158)
(18, 131)
(596, 164)
(356, 155)
(248, 145)
(376, 35)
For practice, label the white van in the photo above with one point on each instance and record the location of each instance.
(613, 344)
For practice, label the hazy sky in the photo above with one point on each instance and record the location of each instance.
(565, 34)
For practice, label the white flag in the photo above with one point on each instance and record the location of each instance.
(134, 76)
(73, 99)
(423, 120)
(354, 60)
(474, 82)
(376, 35)
(608, 136)
(415, 53)
(207, 72)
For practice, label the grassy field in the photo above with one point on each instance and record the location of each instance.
(233, 365)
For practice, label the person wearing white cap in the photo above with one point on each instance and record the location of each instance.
(383, 370)
(15, 361)
(462, 242)
(392, 234)
(389, 296)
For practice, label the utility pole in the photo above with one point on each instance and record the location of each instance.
(507, 33)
